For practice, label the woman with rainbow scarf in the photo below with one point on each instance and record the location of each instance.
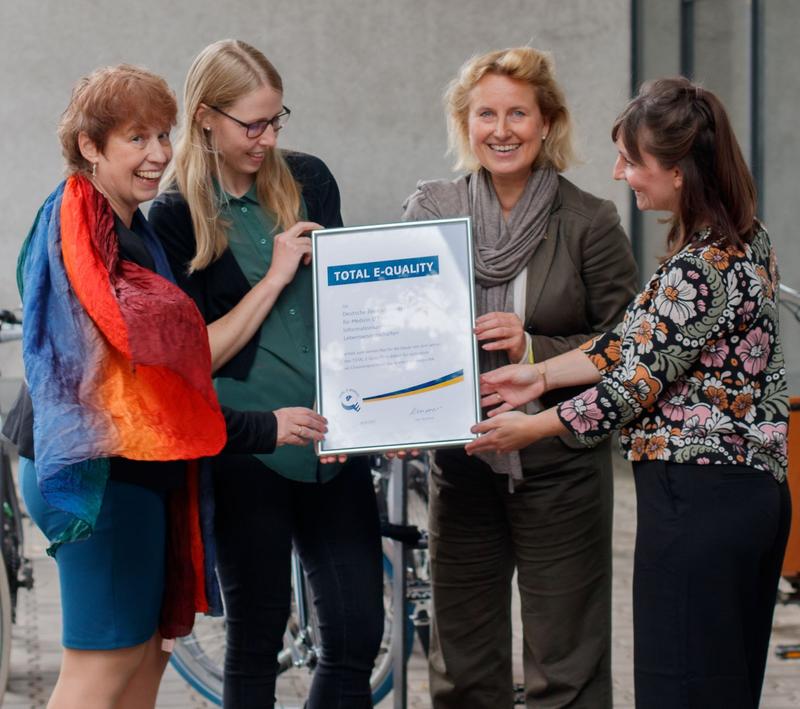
(118, 366)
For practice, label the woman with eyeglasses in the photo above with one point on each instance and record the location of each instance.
(234, 221)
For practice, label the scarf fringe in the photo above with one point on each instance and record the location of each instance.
(76, 531)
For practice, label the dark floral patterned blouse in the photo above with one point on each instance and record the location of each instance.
(695, 371)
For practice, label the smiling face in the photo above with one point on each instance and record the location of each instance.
(240, 156)
(505, 126)
(129, 168)
(656, 188)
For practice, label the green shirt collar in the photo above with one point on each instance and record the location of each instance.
(250, 196)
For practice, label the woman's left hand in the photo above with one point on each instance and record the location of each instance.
(508, 387)
(502, 331)
(299, 426)
(503, 433)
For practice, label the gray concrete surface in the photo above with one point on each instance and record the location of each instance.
(364, 79)
(36, 649)
(722, 58)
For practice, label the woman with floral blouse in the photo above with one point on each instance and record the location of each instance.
(694, 381)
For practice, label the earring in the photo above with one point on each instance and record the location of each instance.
(207, 129)
(94, 169)
(544, 137)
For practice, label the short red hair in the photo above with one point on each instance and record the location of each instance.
(110, 98)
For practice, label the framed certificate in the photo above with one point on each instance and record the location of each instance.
(396, 355)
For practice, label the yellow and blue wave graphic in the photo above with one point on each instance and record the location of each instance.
(441, 382)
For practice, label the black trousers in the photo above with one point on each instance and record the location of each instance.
(336, 531)
(709, 547)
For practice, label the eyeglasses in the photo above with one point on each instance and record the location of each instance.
(257, 128)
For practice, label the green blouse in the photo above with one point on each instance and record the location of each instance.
(283, 372)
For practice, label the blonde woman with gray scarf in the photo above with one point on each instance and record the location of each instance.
(553, 268)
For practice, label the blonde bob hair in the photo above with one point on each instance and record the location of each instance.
(222, 73)
(522, 64)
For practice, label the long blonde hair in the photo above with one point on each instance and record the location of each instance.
(221, 74)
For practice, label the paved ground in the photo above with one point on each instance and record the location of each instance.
(35, 652)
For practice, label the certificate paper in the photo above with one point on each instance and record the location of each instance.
(396, 355)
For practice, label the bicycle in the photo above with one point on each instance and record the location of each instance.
(16, 571)
(300, 651)
(198, 658)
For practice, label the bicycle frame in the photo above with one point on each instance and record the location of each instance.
(303, 649)
(15, 570)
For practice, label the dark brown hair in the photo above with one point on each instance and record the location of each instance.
(686, 126)
(110, 98)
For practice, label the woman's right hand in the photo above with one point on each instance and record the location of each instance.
(289, 248)
(509, 387)
(298, 426)
(498, 331)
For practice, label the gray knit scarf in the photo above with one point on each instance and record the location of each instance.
(502, 249)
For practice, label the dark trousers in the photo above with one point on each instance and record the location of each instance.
(555, 529)
(709, 547)
(336, 531)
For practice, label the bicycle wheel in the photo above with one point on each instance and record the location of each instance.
(199, 657)
(382, 678)
(5, 630)
(19, 572)
(419, 576)
(6, 608)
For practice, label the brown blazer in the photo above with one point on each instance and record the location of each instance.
(580, 279)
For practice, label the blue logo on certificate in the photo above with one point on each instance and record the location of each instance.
(418, 267)
(350, 400)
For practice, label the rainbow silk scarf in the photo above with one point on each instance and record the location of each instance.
(117, 362)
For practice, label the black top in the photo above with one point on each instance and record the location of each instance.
(221, 285)
(247, 431)
(131, 246)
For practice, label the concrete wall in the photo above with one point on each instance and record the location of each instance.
(781, 199)
(659, 36)
(722, 63)
(363, 78)
(722, 58)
